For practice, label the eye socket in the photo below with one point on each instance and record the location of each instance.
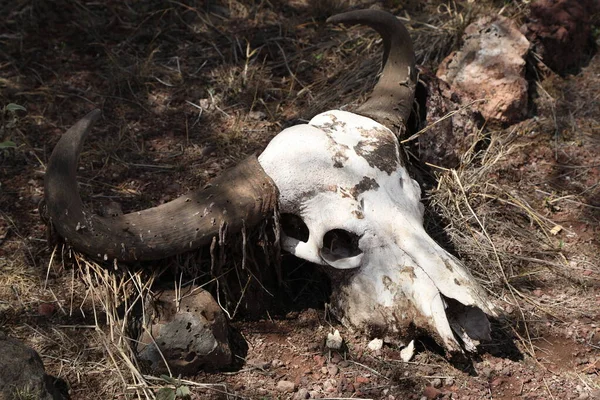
(339, 243)
(294, 227)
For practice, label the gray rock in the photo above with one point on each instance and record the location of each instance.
(333, 370)
(301, 394)
(192, 337)
(22, 373)
(285, 386)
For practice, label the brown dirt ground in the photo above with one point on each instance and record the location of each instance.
(188, 89)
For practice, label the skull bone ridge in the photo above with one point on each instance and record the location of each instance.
(342, 175)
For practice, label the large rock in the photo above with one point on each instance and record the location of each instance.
(491, 66)
(22, 373)
(561, 31)
(449, 129)
(191, 336)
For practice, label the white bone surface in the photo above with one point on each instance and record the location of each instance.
(343, 171)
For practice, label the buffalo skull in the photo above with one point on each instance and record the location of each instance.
(340, 182)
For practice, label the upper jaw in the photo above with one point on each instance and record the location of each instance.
(395, 292)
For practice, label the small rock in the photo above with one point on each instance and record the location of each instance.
(449, 381)
(336, 358)
(257, 115)
(262, 364)
(334, 340)
(375, 344)
(486, 372)
(22, 373)
(314, 394)
(285, 386)
(431, 393)
(436, 383)
(329, 385)
(333, 370)
(324, 370)
(407, 353)
(344, 364)
(361, 380)
(46, 309)
(496, 382)
(190, 338)
(320, 360)
(277, 363)
(301, 394)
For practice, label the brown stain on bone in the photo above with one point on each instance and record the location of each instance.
(379, 149)
(364, 185)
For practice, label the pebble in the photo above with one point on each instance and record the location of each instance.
(336, 358)
(486, 372)
(277, 363)
(333, 370)
(285, 386)
(449, 381)
(301, 394)
(320, 360)
(436, 383)
(46, 309)
(431, 393)
(314, 394)
(262, 364)
(330, 385)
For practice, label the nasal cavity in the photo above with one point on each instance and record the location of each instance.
(339, 243)
(294, 227)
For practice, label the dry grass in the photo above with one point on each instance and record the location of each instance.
(197, 74)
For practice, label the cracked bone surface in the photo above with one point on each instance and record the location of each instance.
(343, 177)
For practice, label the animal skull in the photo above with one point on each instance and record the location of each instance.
(343, 177)
(343, 187)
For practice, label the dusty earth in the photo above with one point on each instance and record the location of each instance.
(190, 88)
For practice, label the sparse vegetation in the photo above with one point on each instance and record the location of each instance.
(190, 88)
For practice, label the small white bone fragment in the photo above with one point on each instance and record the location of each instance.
(407, 353)
(375, 344)
(334, 340)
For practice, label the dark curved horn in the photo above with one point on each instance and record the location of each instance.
(242, 195)
(391, 101)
